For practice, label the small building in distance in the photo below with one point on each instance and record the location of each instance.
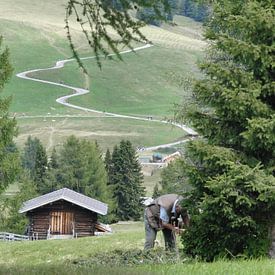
(171, 157)
(62, 214)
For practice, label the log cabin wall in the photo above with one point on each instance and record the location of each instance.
(41, 218)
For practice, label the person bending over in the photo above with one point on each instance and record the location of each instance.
(164, 213)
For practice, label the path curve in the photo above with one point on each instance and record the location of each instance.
(80, 91)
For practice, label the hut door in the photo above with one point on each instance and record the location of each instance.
(62, 222)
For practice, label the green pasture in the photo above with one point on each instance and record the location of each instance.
(143, 84)
(107, 131)
(32, 50)
(64, 256)
(146, 83)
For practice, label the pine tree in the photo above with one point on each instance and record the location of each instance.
(197, 10)
(108, 164)
(232, 170)
(35, 160)
(80, 168)
(53, 163)
(10, 218)
(9, 162)
(126, 178)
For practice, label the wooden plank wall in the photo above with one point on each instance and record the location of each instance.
(40, 219)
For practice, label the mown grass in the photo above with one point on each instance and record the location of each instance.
(119, 87)
(141, 85)
(53, 131)
(145, 84)
(75, 256)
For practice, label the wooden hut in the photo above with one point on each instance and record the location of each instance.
(62, 214)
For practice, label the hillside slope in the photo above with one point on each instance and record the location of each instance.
(144, 84)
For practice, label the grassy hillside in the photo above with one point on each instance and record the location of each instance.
(141, 85)
(108, 131)
(145, 84)
(79, 256)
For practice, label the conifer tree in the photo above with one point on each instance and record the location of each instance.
(156, 191)
(108, 164)
(9, 164)
(35, 160)
(10, 218)
(79, 167)
(53, 163)
(232, 170)
(126, 178)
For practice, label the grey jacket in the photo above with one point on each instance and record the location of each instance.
(152, 212)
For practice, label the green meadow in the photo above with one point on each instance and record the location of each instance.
(108, 131)
(142, 84)
(146, 83)
(79, 256)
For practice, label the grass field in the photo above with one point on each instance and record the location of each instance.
(141, 85)
(145, 84)
(107, 131)
(64, 256)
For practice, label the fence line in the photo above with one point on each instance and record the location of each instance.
(10, 237)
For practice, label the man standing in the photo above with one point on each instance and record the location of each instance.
(163, 214)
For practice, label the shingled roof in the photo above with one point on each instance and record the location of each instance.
(67, 195)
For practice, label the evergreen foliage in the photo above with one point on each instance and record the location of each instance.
(108, 164)
(148, 16)
(232, 204)
(126, 179)
(10, 218)
(53, 162)
(198, 10)
(34, 160)
(78, 166)
(9, 162)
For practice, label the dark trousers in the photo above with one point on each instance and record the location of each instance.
(151, 234)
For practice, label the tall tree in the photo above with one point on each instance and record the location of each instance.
(10, 218)
(81, 169)
(126, 178)
(34, 159)
(9, 164)
(53, 162)
(232, 170)
(108, 164)
(198, 10)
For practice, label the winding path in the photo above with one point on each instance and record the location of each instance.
(80, 91)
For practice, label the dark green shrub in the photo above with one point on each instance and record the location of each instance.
(233, 214)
